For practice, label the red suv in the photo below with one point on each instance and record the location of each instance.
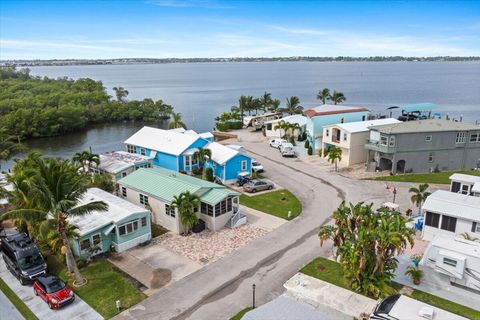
(54, 291)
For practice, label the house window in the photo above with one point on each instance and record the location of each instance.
(383, 140)
(455, 186)
(128, 228)
(432, 219)
(450, 262)
(465, 189)
(124, 192)
(131, 149)
(391, 142)
(187, 161)
(206, 209)
(431, 157)
(143, 199)
(363, 118)
(344, 137)
(475, 137)
(96, 239)
(342, 120)
(144, 221)
(244, 165)
(124, 174)
(142, 151)
(327, 132)
(84, 244)
(460, 138)
(449, 223)
(269, 126)
(476, 227)
(428, 138)
(169, 210)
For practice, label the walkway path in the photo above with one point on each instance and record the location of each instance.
(224, 287)
(8, 310)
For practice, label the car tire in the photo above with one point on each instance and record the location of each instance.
(23, 282)
(270, 187)
(254, 190)
(50, 305)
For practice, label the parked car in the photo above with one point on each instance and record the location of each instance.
(256, 166)
(53, 291)
(23, 258)
(287, 150)
(275, 143)
(257, 185)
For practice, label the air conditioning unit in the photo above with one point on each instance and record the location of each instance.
(427, 313)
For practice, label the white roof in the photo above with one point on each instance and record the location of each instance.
(166, 141)
(120, 160)
(457, 245)
(454, 204)
(476, 187)
(466, 178)
(408, 308)
(181, 130)
(296, 118)
(221, 153)
(191, 132)
(206, 135)
(362, 126)
(118, 209)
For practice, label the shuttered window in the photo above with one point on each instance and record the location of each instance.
(432, 219)
(449, 223)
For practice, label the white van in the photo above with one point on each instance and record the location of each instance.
(400, 307)
(287, 150)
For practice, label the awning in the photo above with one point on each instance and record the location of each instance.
(153, 154)
(419, 107)
(108, 230)
(244, 174)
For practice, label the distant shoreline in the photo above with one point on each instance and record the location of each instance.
(129, 61)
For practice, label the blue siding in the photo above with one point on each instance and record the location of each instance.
(200, 143)
(234, 166)
(167, 161)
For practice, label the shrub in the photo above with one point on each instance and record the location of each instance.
(307, 144)
(103, 181)
(209, 174)
(228, 125)
(304, 136)
(292, 140)
(300, 137)
(310, 151)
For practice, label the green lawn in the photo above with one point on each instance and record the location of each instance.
(445, 304)
(105, 286)
(239, 315)
(276, 203)
(17, 302)
(435, 177)
(158, 230)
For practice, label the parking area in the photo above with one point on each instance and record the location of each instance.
(78, 310)
(276, 186)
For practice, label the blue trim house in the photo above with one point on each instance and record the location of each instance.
(174, 150)
(327, 114)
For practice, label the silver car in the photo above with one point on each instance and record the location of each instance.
(257, 185)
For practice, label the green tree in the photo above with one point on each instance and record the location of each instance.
(9, 144)
(121, 94)
(337, 97)
(56, 189)
(266, 101)
(176, 121)
(293, 106)
(187, 204)
(85, 160)
(281, 125)
(202, 155)
(419, 195)
(275, 106)
(366, 242)
(103, 181)
(334, 155)
(323, 95)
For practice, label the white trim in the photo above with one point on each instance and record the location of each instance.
(131, 243)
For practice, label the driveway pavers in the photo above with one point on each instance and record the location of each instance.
(78, 310)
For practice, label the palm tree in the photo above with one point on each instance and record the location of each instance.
(266, 100)
(9, 144)
(323, 95)
(293, 106)
(242, 106)
(337, 97)
(85, 159)
(335, 155)
(176, 121)
(47, 236)
(281, 125)
(187, 204)
(275, 105)
(202, 155)
(121, 93)
(419, 195)
(55, 191)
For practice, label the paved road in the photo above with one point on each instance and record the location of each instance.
(221, 289)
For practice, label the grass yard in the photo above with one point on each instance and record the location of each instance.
(17, 302)
(435, 177)
(158, 230)
(239, 315)
(105, 286)
(445, 304)
(276, 203)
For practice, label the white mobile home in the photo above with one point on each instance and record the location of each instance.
(270, 126)
(464, 183)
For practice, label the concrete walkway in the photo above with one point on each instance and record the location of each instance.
(262, 220)
(8, 310)
(78, 310)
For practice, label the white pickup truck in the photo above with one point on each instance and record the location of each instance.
(287, 150)
(400, 307)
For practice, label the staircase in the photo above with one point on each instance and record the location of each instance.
(237, 220)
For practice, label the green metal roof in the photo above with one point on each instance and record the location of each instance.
(165, 184)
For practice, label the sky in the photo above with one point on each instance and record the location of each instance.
(214, 28)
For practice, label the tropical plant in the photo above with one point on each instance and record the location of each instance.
(187, 204)
(85, 159)
(323, 95)
(49, 239)
(291, 128)
(9, 144)
(202, 155)
(281, 125)
(209, 174)
(293, 106)
(55, 189)
(469, 237)
(334, 155)
(419, 195)
(337, 97)
(310, 150)
(121, 94)
(366, 242)
(176, 121)
(415, 274)
(103, 181)
(306, 145)
(266, 101)
(275, 105)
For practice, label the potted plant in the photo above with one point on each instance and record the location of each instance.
(415, 274)
(416, 258)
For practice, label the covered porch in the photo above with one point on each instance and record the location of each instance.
(220, 210)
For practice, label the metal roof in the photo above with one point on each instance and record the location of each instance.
(454, 204)
(428, 125)
(328, 109)
(362, 126)
(466, 178)
(165, 184)
(296, 118)
(221, 153)
(120, 160)
(420, 107)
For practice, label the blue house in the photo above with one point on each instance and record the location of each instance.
(174, 150)
(328, 114)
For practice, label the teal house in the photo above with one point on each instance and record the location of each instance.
(123, 226)
(174, 150)
(327, 114)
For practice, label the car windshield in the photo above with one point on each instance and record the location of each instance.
(256, 163)
(30, 261)
(55, 285)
